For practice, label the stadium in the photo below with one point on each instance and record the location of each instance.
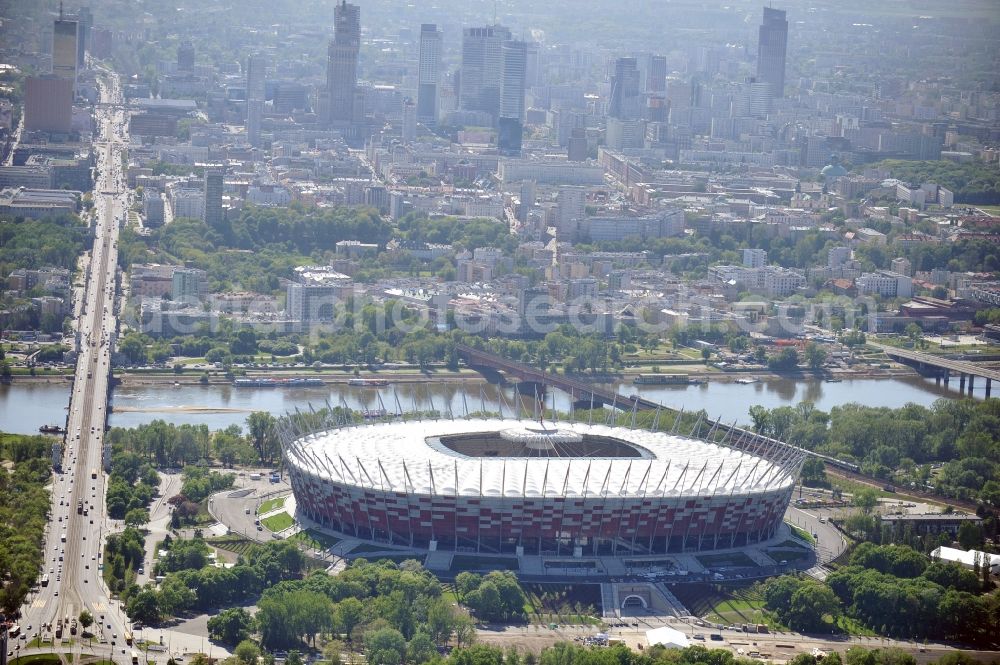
(501, 485)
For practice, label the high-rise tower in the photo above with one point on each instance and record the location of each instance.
(428, 73)
(64, 47)
(482, 68)
(625, 98)
(511, 120)
(772, 46)
(342, 62)
(213, 198)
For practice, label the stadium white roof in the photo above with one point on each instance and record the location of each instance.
(409, 457)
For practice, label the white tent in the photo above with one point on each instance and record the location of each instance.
(967, 559)
(668, 637)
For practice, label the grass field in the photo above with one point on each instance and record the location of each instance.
(271, 504)
(236, 544)
(37, 659)
(278, 522)
(739, 606)
(315, 539)
(797, 554)
(803, 534)
(565, 604)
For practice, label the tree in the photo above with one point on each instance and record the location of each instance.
(969, 535)
(144, 606)
(348, 613)
(248, 652)
(466, 583)
(813, 471)
(230, 626)
(385, 646)
(465, 630)
(706, 353)
(86, 619)
(332, 651)
(815, 355)
(866, 499)
(137, 517)
(810, 605)
(421, 648)
(262, 434)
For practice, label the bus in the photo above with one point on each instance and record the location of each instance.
(135, 658)
(45, 579)
(62, 538)
(14, 631)
(128, 638)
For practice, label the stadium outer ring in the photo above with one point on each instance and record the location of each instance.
(397, 483)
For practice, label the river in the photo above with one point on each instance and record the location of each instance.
(25, 406)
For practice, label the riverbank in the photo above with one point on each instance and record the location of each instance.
(340, 377)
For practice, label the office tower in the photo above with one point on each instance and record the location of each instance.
(515, 56)
(428, 73)
(185, 57)
(656, 74)
(532, 66)
(409, 132)
(64, 50)
(625, 134)
(255, 77)
(482, 68)
(772, 44)
(290, 96)
(577, 148)
(255, 116)
(625, 99)
(85, 17)
(213, 198)
(657, 108)
(571, 212)
(342, 62)
(48, 104)
(255, 97)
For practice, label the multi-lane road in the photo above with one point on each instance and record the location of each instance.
(79, 523)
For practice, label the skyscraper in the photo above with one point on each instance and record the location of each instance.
(625, 99)
(64, 51)
(772, 45)
(213, 198)
(428, 73)
(511, 121)
(255, 67)
(255, 97)
(482, 68)
(86, 21)
(656, 74)
(409, 129)
(342, 62)
(185, 57)
(255, 115)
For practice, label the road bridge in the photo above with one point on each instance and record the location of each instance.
(927, 363)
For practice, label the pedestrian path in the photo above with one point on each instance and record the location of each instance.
(675, 607)
(439, 560)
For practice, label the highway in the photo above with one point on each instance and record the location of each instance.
(74, 540)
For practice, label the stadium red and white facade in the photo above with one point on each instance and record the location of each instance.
(503, 485)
